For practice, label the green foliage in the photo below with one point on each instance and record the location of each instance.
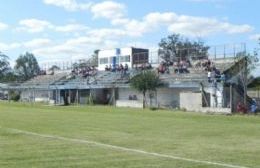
(175, 47)
(54, 68)
(9, 77)
(14, 95)
(27, 66)
(145, 81)
(94, 59)
(4, 65)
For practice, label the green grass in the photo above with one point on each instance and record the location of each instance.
(225, 139)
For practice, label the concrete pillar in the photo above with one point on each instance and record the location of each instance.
(231, 97)
(114, 97)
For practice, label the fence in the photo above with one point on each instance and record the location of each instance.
(214, 52)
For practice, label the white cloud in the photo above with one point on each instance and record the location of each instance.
(206, 1)
(71, 28)
(6, 47)
(174, 23)
(108, 9)
(37, 43)
(255, 37)
(34, 25)
(37, 26)
(70, 5)
(106, 33)
(75, 48)
(3, 26)
(183, 24)
(78, 47)
(202, 26)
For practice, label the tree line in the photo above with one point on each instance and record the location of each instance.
(26, 67)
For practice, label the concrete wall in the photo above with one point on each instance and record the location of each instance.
(166, 97)
(100, 96)
(36, 95)
(190, 100)
(216, 95)
(193, 102)
(124, 93)
(129, 103)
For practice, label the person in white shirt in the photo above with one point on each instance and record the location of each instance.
(209, 76)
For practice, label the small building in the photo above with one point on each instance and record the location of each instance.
(130, 56)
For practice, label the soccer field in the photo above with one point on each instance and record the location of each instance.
(107, 137)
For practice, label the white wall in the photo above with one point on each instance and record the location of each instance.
(190, 100)
(166, 97)
(215, 101)
(193, 102)
(37, 95)
(129, 103)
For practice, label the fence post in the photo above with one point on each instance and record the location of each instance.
(231, 97)
(215, 50)
(224, 51)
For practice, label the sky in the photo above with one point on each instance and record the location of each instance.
(59, 30)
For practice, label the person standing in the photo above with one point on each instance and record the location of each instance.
(209, 76)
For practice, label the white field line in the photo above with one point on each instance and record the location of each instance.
(123, 148)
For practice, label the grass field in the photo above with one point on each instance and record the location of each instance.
(106, 137)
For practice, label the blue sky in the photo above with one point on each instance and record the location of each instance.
(59, 30)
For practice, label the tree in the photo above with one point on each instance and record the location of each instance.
(27, 66)
(175, 48)
(246, 64)
(145, 81)
(54, 68)
(4, 65)
(93, 61)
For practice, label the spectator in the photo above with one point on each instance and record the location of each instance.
(161, 69)
(106, 68)
(253, 106)
(223, 77)
(209, 76)
(121, 67)
(126, 67)
(241, 108)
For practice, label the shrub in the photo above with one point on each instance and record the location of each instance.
(14, 95)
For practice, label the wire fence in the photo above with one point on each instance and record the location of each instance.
(226, 51)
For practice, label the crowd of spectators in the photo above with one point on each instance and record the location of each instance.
(179, 67)
(85, 72)
(117, 68)
(143, 67)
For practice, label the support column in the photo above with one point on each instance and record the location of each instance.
(56, 95)
(231, 97)
(69, 100)
(8, 95)
(76, 97)
(113, 97)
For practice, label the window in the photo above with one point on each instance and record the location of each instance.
(103, 61)
(111, 60)
(125, 58)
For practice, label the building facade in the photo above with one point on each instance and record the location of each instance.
(126, 56)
